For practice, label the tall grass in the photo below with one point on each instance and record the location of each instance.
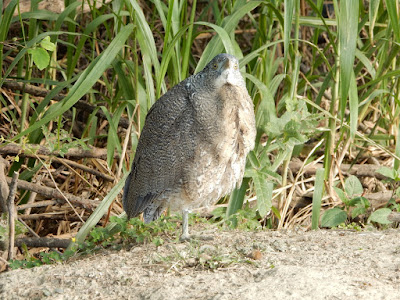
(332, 80)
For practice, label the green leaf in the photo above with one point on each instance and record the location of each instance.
(388, 172)
(358, 210)
(264, 193)
(333, 217)
(353, 186)
(317, 197)
(40, 57)
(341, 194)
(276, 212)
(380, 216)
(47, 44)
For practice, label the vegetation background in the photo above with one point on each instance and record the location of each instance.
(76, 84)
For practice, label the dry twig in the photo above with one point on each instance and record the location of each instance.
(42, 92)
(40, 242)
(31, 150)
(11, 215)
(53, 193)
(4, 190)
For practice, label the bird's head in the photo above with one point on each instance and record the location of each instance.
(224, 69)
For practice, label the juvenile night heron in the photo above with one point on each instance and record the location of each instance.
(193, 146)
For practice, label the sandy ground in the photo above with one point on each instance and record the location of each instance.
(234, 265)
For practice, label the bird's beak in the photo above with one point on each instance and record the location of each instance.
(226, 64)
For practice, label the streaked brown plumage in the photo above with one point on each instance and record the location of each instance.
(193, 146)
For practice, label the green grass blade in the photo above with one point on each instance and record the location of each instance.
(90, 28)
(397, 150)
(64, 15)
(348, 30)
(215, 46)
(288, 19)
(366, 62)
(5, 20)
(266, 111)
(373, 12)
(167, 54)
(353, 105)
(237, 198)
(223, 35)
(37, 15)
(85, 81)
(188, 42)
(394, 18)
(112, 136)
(317, 197)
(98, 213)
(146, 38)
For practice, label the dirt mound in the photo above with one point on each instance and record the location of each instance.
(234, 265)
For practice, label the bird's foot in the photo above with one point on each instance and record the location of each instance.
(185, 237)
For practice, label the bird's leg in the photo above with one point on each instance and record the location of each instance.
(185, 226)
(185, 229)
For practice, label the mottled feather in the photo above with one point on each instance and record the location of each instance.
(193, 146)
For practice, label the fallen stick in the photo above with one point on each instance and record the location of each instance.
(376, 199)
(83, 168)
(53, 193)
(357, 170)
(11, 215)
(52, 217)
(394, 216)
(41, 92)
(39, 204)
(32, 150)
(4, 189)
(39, 242)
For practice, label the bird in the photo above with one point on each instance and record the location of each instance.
(193, 146)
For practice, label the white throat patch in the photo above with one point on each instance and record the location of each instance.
(229, 76)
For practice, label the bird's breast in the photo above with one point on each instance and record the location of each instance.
(219, 159)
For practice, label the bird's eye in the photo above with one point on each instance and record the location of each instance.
(235, 66)
(215, 66)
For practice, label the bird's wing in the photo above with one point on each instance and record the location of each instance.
(165, 143)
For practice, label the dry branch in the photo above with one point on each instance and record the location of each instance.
(76, 165)
(31, 150)
(53, 193)
(39, 242)
(357, 170)
(51, 216)
(394, 216)
(41, 92)
(4, 190)
(376, 199)
(39, 204)
(11, 215)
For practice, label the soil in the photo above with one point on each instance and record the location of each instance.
(293, 264)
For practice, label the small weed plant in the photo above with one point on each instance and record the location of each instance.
(115, 235)
(355, 205)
